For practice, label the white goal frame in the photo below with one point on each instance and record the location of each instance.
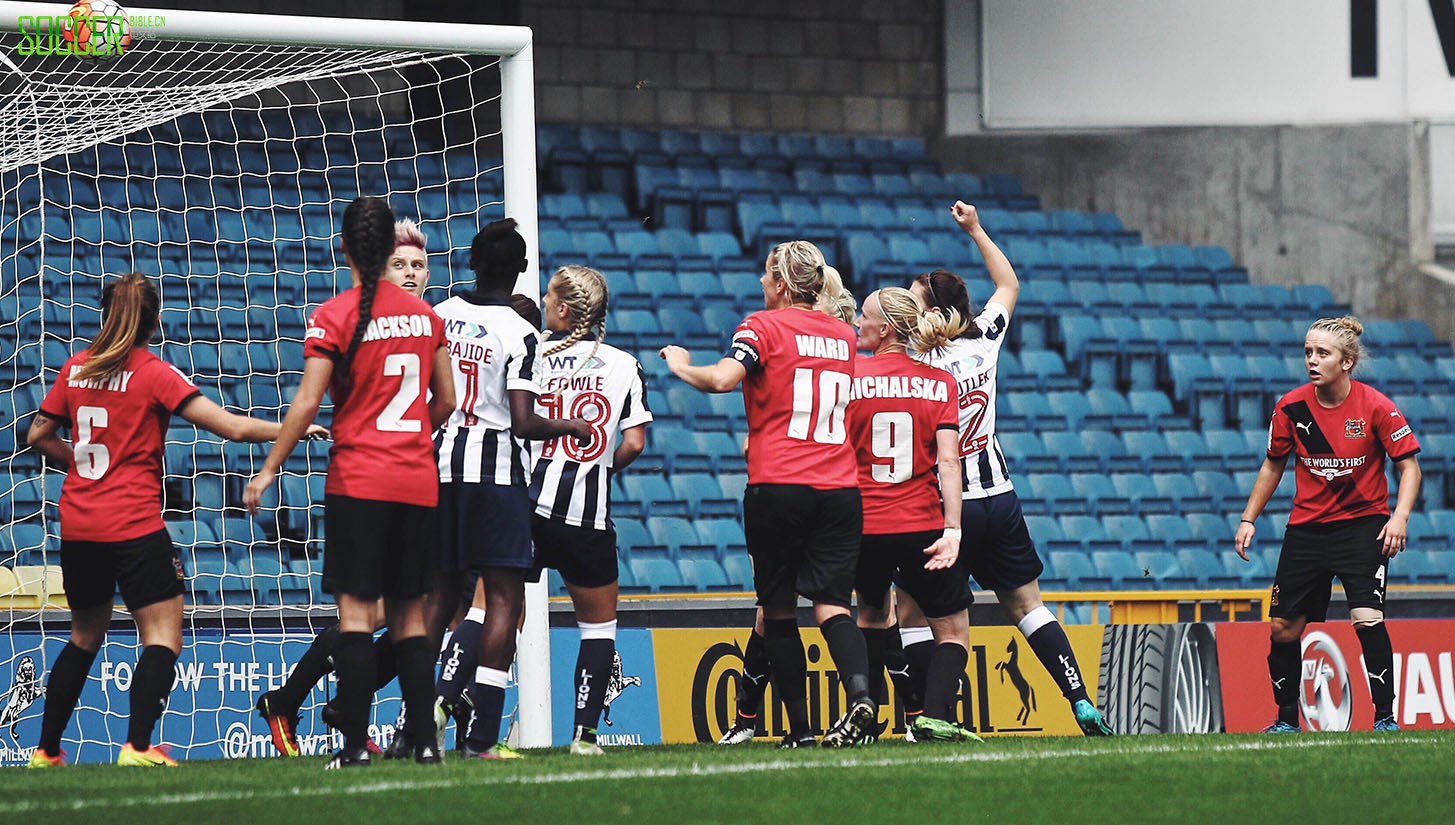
(512, 45)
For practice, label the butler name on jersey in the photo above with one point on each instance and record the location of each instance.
(973, 362)
(604, 387)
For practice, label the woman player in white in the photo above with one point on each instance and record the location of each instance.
(583, 377)
(996, 546)
(484, 511)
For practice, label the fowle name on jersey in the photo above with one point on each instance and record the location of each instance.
(817, 346)
(900, 386)
(399, 326)
(579, 383)
(116, 383)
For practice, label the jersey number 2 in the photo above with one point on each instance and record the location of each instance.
(92, 460)
(391, 419)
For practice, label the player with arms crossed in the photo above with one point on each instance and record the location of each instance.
(117, 397)
(485, 507)
(584, 377)
(376, 349)
(1341, 430)
(408, 269)
(904, 422)
(801, 510)
(996, 546)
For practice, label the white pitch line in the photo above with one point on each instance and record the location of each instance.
(476, 780)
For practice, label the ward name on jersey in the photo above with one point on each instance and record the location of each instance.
(606, 388)
(973, 362)
(800, 375)
(492, 351)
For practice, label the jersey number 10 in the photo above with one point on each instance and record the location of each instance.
(827, 421)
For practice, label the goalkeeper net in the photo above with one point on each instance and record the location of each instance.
(216, 155)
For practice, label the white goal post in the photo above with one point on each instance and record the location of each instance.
(40, 126)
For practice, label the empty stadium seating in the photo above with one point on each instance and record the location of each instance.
(1135, 387)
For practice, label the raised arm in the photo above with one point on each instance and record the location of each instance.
(1002, 274)
(1263, 486)
(724, 376)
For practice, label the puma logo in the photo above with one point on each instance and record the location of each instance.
(1278, 683)
(1307, 428)
(1380, 676)
(757, 680)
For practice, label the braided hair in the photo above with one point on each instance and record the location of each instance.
(583, 291)
(945, 291)
(497, 256)
(368, 242)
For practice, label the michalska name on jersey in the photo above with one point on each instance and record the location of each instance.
(900, 386)
(399, 326)
(116, 383)
(817, 346)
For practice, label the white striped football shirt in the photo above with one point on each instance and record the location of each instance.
(569, 481)
(973, 362)
(492, 351)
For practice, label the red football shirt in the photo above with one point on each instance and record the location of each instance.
(1340, 471)
(898, 407)
(382, 440)
(800, 366)
(118, 433)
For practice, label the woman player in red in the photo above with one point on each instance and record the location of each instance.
(117, 397)
(1341, 431)
(376, 349)
(904, 421)
(801, 511)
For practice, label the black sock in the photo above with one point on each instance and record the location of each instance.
(415, 657)
(459, 660)
(754, 682)
(150, 684)
(593, 669)
(790, 671)
(1051, 646)
(353, 657)
(947, 667)
(489, 700)
(1379, 664)
(846, 645)
(1285, 659)
(897, 665)
(386, 662)
(315, 663)
(62, 690)
(876, 641)
(917, 656)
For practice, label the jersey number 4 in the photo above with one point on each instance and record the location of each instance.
(823, 411)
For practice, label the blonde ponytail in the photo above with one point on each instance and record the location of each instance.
(923, 330)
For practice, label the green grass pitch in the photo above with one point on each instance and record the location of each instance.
(1325, 778)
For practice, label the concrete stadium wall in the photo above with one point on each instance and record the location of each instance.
(1344, 206)
(858, 66)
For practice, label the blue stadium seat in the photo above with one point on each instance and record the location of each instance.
(705, 575)
(703, 496)
(659, 575)
(674, 533)
(655, 495)
(1070, 453)
(1123, 571)
(1076, 569)
(1166, 570)
(739, 569)
(630, 535)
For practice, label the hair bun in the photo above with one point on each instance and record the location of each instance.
(1351, 323)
